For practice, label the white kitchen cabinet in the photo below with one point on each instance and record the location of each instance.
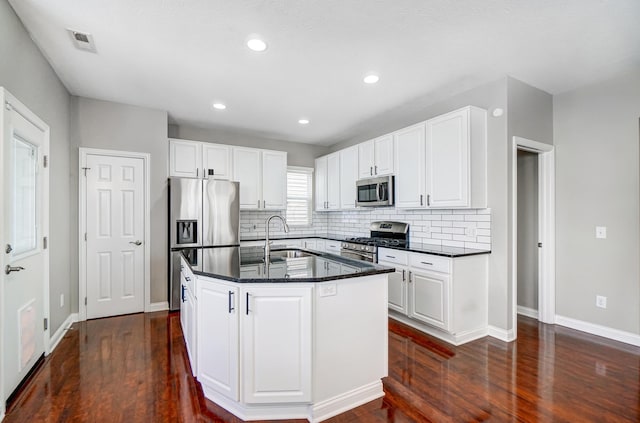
(331, 246)
(276, 338)
(375, 157)
(218, 340)
(321, 245)
(187, 312)
(398, 281)
(309, 244)
(262, 175)
(348, 177)
(456, 159)
(410, 167)
(429, 298)
(333, 181)
(321, 184)
(195, 159)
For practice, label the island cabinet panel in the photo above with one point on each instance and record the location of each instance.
(276, 338)
(218, 343)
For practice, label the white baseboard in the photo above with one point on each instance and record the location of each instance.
(159, 306)
(501, 334)
(529, 312)
(453, 339)
(345, 402)
(594, 329)
(55, 339)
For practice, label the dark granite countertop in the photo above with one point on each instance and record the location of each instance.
(260, 237)
(246, 264)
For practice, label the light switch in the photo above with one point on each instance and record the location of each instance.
(601, 232)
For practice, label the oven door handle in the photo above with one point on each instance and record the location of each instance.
(379, 191)
(357, 254)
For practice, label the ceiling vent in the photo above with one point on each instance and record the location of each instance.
(82, 40)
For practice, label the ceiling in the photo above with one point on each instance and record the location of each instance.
(182, 55)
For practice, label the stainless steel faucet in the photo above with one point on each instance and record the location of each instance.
(267, 243)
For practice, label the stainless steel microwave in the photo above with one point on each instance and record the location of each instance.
(375, 192)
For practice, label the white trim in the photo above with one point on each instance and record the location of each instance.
(64, 327)
(594, 329)
(159, 306)
(82, 224)
(453, 339)
(8, 100)
(501, 334)
(326, 409)
(546, 230)
(529, 312)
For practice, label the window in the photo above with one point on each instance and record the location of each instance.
(299, 196)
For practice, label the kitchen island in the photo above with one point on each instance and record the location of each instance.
(301, 335)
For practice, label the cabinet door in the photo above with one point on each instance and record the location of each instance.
(216, 161)
(397, 289)
(185, 158)
(429, 298)
(366, 158)
(348, 177)
(191, 339)
(276, 354)
(247, 170)
(183, 308)
(333, 181)
(274, 180)
(410, 171)
(448, 160)
(383, 155)
(309, 244)
(321, 184)
(218, 342)
(332, 246)
(321, 245)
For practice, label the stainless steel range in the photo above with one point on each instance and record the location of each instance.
(383, 234)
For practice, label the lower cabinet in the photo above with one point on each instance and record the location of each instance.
(188, 320)
(429, 296)
(264, 330)
(398, 290)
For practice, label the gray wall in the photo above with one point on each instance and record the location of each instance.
(26, 74)
(597, 162)
(113, 126)
(298, 154)
(528, 229)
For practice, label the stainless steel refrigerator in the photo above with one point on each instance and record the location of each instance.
(202, 213)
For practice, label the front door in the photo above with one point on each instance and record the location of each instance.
(115, 213)
(25, 143)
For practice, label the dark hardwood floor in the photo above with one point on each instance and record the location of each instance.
(134, 369)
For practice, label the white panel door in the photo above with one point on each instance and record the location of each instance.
(115, 235)
(366, 158)
(247, 170)
(216, 161)
(348, 177)
(333, 181)
(24, 183)
(321, 184)
(448, 160)
(410, 171)
(218, 347)
(185, 159)
(383, 155)
(276, 356)
(429, 298)
(397, 289)
(274, 180)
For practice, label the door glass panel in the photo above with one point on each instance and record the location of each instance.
(25, 229)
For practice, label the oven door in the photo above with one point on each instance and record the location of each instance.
(357, 255)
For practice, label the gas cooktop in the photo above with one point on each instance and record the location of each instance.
(378, 242)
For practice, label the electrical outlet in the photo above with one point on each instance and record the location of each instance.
(328, 289)
(61, 300)
(601, 301)
(601, 232)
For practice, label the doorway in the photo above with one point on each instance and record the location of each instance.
(24, 231)
(533, 242)
(114, 233)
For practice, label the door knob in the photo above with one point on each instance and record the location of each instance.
(10, 269)
(135, 242)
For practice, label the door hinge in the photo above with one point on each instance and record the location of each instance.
(539, 244)
(45, 161)
(7, 105)
(85, 170)
(44, 243)
(46, 323)
(85, 300)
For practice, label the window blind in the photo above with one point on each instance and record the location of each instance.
(299, 196)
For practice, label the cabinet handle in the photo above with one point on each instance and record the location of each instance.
(247, 304)
(409, 276)
(182, 293)
(231, 307)
(428, 199)
(390, 256)
(264, 204)
(421, 199)
(371, 171)
(403, 275)
(426, 262)
(375, 170)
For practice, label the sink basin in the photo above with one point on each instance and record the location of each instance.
(285, 254)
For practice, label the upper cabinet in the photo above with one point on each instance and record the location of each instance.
(195, 159)
(263, 178)
(327, 182)
(348, 177)
(410, 167)
(456, 161)
(321, 184)
(375, 157)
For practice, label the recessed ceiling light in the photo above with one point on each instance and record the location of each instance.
(219, 106)
(371, 78)
(256, 44)
(303, 121)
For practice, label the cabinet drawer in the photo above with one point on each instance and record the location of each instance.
(393, 256)
(429, 262)
(332, 247)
